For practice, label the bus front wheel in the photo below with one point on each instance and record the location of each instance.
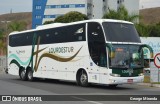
(82, 78)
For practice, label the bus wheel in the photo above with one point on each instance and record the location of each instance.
(22, 74)
(29, 74)
(83, 79)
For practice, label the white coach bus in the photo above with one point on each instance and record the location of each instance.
(101, 51)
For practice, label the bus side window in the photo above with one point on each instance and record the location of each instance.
(76, 32)
(96, 43)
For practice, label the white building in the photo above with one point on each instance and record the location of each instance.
(46, 10)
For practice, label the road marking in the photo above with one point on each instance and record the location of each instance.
(94, 102)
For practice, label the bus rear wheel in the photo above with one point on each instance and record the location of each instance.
(83, 79)
(22, 74)
(29, 74)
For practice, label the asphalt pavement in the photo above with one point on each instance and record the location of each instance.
(12, 85)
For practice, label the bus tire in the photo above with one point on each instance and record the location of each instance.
(29, 74)
(82, 78)
(22, 74)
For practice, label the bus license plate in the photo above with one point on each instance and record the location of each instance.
(130, 81)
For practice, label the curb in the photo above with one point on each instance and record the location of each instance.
(149, 84)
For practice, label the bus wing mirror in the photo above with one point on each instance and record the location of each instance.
(111, 50)
(150, 49)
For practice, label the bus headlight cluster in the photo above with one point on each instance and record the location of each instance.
(115, 75)
(141, 74)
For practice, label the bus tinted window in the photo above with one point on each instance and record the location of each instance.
(120, 32)
(20, 39)
(96, 43)
(70, 33)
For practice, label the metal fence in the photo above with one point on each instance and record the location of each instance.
(3, 64)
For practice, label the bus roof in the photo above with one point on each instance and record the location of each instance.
(43, 27)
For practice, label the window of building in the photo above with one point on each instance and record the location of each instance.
(47, 16)
(120, 1)
(117, 1)
(51, 16)
(38, 7)
(48, 6)
(38, 17)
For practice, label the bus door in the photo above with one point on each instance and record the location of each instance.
(97, 50)
(103, 69)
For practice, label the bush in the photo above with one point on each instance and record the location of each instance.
(148, 30)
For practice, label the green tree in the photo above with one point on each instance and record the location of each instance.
(1, 37)
(148, 30)
(143, 30)
(71, 17)
(155, 30)
(17, 26)
(121, 14)
(48, 22)
(2, 44)
(1, 34)
(60, 19)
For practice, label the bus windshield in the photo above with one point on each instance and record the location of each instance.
(120, 32)
(127, 56)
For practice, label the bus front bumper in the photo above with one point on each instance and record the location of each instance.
(125, 80)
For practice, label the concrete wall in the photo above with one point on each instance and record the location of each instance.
(132, 6)
(112, 4)
(97, 9)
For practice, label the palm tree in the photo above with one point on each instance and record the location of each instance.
(17, 26)
(121, 14)
(1, 34)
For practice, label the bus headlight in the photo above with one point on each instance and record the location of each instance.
(115, 75)
(141, 74)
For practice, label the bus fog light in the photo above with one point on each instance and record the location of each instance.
(141, 74)
(112, 81)
(115, 75)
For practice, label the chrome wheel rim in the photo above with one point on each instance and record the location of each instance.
(83, 78)
(23, 74)
(30, 75)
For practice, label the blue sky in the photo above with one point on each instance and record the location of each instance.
(26, 5)
(15, 5)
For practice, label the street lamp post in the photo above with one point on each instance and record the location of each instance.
(6, 32)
